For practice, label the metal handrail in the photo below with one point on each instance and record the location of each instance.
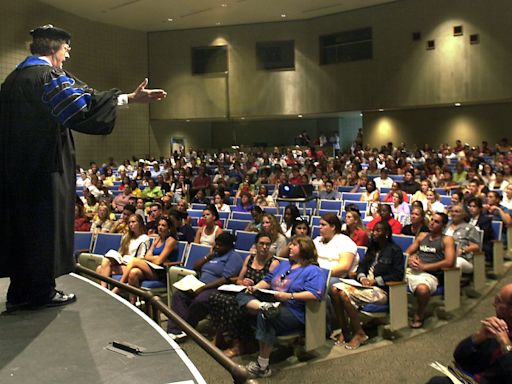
(238, 372)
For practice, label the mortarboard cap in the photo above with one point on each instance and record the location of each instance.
(50, 32)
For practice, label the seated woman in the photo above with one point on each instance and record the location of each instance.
(399, 207)
(336, 251)
(227, 317)
(383, 262)
(269, 226)
(135, 243)
(102, 223)
(221, 206)
(371, 193)
(395, 188)
(164, 248)
(421, 194)
(216, 269)
(291, 212)
(465, 236)
(82, 222)
(433, 204)
(296, 281)
(152, 192)
(255, 224)
(355, 228)
(300, 227)
(210, 230)
(244, 203)
(417, 222)
(262, 198)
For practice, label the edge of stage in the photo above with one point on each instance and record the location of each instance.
(73, 343)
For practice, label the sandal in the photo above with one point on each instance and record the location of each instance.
(356, 344)
(339, 343)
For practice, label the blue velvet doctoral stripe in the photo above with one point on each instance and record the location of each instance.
(64, 100)
(30, 61)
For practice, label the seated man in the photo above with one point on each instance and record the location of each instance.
(385, 214)
(429, 254)
(214, 270)
(328, 193)
(487, 353)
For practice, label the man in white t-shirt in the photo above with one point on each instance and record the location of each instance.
(383, 181)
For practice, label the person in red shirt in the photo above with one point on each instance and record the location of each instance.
(386, 215)
(295, 178)
(355, 228)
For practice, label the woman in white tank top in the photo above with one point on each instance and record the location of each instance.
(207, 234)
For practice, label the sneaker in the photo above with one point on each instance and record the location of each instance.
(60, 298)
(254, 370)
(177, 337)
(269, 310)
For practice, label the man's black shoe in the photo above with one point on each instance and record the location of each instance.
(11, 307)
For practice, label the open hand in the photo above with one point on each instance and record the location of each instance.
(143, 95)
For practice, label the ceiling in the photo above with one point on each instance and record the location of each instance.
(158, 15)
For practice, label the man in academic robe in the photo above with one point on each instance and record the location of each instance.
(40, 104)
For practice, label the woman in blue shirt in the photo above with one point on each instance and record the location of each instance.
(294, 281)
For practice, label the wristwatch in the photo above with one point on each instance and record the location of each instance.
(508, 348)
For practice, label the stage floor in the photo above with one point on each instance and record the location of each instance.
(70, 344)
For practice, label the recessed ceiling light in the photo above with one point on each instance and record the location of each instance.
(283, 15)
(360, 114)
(381, 110)
(223, 5)
(217, 23)
(188, 121)
(457, 104)
(299, 115)
(169, 19)
(242, 118)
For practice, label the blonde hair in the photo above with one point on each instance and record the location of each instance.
(131, 235)
(275, 229)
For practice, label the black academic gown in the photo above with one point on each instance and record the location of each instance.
(38, 171)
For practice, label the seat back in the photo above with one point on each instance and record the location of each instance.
(244, 240)
(315, 231)
(237, 225)
(403, 241)
(107, 241)
(361, 251)
(497, 227)
(241, 216)
(83, 242)
(361, 205)
(197, 213)
(332, 205)
(351, 196)
(195, 252)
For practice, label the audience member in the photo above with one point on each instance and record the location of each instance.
(428, 255)
(214, 270)
(296, 281)
(382, 263)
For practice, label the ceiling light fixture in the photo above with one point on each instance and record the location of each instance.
(223, 5)
(457, 104)
(283, 15)
(169, 19)
(217, 23)
(299, 115)
(381, 110)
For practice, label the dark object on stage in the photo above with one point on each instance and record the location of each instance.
(289, 191)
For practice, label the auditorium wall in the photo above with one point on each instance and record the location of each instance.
(103, 56)
(403, 75)
(435, 126)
